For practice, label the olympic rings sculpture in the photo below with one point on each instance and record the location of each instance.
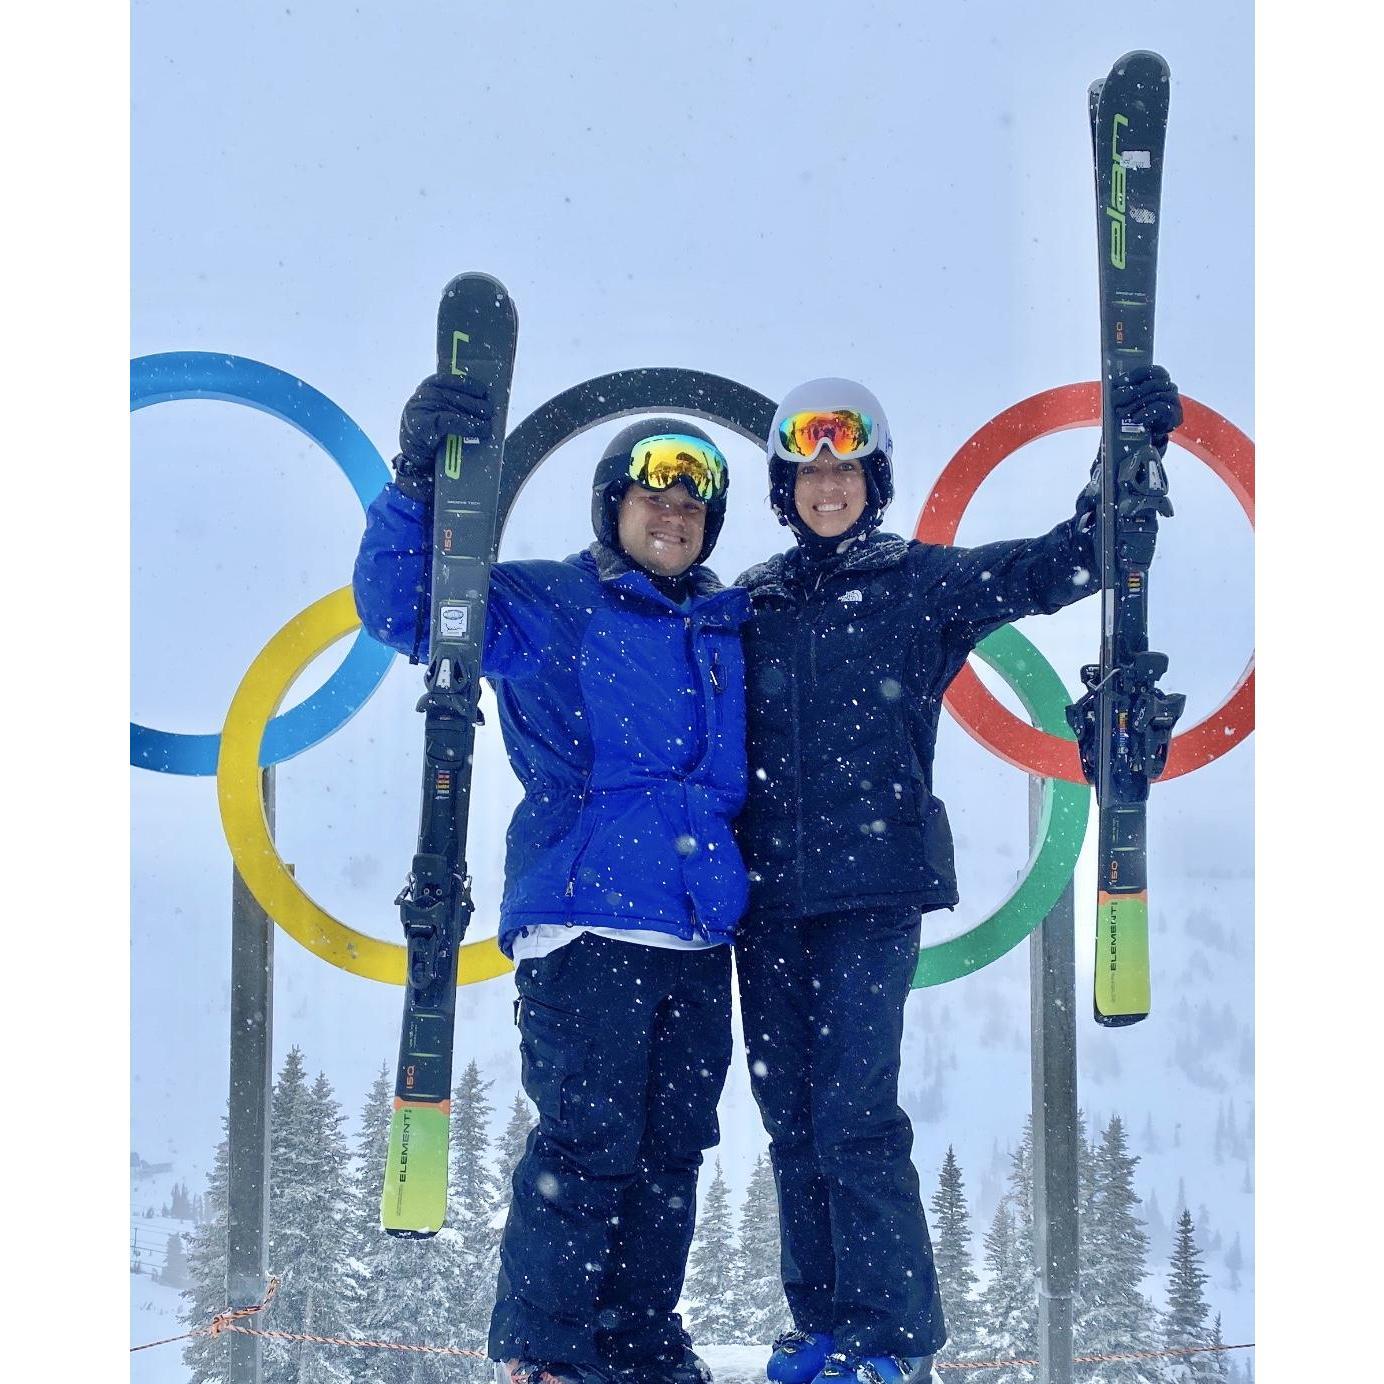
(254, 735)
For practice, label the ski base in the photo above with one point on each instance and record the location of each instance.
(1122, 989)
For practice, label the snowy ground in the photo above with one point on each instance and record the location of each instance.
(153, 1317)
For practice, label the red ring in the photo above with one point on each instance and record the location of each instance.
(1204, 433)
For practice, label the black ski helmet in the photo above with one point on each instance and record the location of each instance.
(612, 480)
(824, 396)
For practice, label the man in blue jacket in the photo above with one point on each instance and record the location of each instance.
(620, 685)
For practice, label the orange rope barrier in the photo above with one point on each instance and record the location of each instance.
(226, 1321)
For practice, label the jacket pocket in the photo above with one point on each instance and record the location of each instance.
(937, 843)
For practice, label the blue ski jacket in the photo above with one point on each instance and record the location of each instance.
(623, 717)
(847, 664)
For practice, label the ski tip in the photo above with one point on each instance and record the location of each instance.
(473, 280)
(1153, 63)
(478, 289)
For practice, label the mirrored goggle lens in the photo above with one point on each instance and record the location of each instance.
(848, 433)
(659, 462)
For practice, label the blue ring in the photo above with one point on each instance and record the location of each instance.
(207, 375)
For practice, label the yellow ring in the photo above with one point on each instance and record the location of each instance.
(262, 689)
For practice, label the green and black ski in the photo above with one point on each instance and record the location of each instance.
(1124, 723)
(476, 334)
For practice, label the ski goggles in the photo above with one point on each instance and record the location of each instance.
(660, 462)
(849, 434)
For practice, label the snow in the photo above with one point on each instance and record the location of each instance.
(154, 1317)
(735, 1364)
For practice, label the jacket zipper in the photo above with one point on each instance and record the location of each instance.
(796, 721)
(585, 840)
(703, 713)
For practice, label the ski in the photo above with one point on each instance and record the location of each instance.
(1124, 723)
(476, 334)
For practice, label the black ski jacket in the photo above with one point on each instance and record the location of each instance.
(846, 662)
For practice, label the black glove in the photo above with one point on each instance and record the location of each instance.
(442, 404)
(1147, 396)
(1088, 501)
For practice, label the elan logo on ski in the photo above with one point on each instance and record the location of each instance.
(1115, 209)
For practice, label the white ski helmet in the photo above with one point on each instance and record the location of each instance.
(874, 449)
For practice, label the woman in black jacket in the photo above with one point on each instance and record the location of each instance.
(854, 638)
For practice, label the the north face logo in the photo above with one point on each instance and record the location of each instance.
(851, 597)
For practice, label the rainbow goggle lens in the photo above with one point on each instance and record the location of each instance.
(849, 435)
(658, 463)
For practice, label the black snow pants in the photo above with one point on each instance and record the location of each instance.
(625, 1049)
(822, 1002)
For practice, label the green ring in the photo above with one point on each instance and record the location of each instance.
(1061, 827)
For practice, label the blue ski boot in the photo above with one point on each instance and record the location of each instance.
(798, 1357)
(841, 1368)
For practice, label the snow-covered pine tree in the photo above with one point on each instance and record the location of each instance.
(205, 1356)
(309, 1229)
(473, 1199)
(951, 1240)
(1234, 1262)
(1115, 1314)
(1221, 1361)
(1019, 1195)
(1184, 1323)
(1005, 1308)
(513, 1141)
(175, 1270)
(761, 1279)
(409, 1287)
(181, 1209)
(714, 1308)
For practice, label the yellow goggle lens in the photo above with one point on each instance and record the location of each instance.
(660, 462)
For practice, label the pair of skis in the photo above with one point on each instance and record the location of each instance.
(1124, 723)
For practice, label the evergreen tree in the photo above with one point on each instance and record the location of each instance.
(410, 1288)
(205, 1356)
(1235, 1261)
(175, 1267)
(1185, 1321)
(181, 1210)
(473, 1201)
(513, 1142)
(1152, 1143)
(715, 1308)
(1157, 1227)
(1006, 1306)
(1221, 1360)
(1115, 1315)
(766, 1308)
(951, 1239)
(1020, 1191)
(309, 1228)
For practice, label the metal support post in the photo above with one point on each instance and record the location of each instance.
(1052, 991)
(247, 1135)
